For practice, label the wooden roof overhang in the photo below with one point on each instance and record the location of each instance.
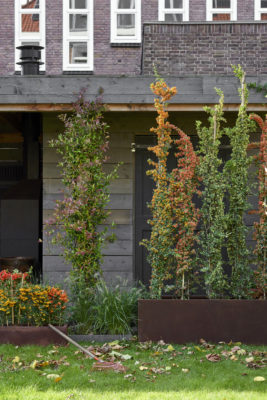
(43, 93)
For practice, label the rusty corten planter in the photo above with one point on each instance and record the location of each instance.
(185, 321)
(35, 335)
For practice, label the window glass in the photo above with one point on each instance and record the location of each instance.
(78, 23)
(126, 4)
(221, 3)
(78, 4)
(29, 4)
(263, 3)
(173, 17)
(125, 24)
(221, 17)
(78, 53)
(263, 17)
(173, 3)
(30, 23)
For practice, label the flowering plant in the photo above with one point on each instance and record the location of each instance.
(24, 303)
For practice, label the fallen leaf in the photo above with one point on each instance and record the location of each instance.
(213, 357)
(16, 359)
(143, 368)
(92, 380)
(52, 376)
(235, 349)
(241, 352)
(259, 379)
(168, 368)
(249, 359)
(58, 379)
(185, 370)
(161, 343)
(34, 364)
(170, 348)
(233, 358)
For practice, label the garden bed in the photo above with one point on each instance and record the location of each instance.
(31, 335)
(186, 321)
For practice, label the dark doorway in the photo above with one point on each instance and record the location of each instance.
(20, 186)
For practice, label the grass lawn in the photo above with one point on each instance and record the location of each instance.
(154, 371)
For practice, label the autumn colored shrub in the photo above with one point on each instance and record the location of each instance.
(174, 217)
(24, 303)
(183, 185)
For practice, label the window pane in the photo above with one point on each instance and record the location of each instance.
(30, 23)
(173, 17)
(78, 4)
(263, 3)
(221, 17)
(125, 24)
(173, 3)
(126, 4)
(78, 23)
(263, 17)
(78, 53)
(29, 4)
(221, 3)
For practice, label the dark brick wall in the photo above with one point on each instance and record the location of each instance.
(205, 48)
(107, 59)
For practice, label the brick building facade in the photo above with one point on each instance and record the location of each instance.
(110, 46)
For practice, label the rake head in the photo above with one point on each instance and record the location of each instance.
(105, 365)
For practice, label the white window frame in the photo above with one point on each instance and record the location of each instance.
(114, 38)
(88, 38)
(29, 37)
(259, 10)
(184, 11)
(232, 10)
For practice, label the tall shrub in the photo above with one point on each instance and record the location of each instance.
(76, 219)
(183, 185)
(160, 244)
(236, 176)
(211, 238)
(261, 226)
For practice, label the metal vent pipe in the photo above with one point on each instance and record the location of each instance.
(30, 59)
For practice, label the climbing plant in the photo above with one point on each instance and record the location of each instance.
(212, 235)
(236, 178)
(160, 244)
(261, 226)
(76, 219)
(183, 185)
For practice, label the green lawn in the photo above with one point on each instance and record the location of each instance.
(153, 372)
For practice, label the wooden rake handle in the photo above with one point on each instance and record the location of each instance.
(75, 343)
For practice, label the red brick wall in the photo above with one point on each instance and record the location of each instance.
(107, 59)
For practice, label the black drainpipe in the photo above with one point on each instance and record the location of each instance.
(30, 59)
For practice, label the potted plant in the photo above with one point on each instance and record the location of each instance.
(229, 312)
(26, 309)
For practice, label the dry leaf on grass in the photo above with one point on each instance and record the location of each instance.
(259, 379)
(213, 357)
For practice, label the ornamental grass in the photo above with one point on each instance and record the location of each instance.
(25, 303)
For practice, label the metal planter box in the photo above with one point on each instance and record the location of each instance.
(185, 321)
(31, 335)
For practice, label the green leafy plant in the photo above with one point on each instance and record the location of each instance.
(212, 235)
(83, 147)
(104, 309)
(261, 226)
(236, 178)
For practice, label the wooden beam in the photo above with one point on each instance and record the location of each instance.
(122, 107)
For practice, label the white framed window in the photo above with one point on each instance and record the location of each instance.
(78, 35)
(125, 21)
(29, 27)
(221, 10)
(173, 10)
(260, 10)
